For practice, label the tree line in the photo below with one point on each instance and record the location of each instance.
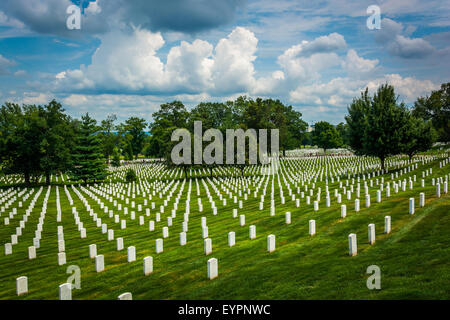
(38, 141)
(381, 126)
(44, 140)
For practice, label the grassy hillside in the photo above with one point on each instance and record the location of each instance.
(414, 258)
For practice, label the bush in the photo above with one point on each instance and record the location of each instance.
(130, 176)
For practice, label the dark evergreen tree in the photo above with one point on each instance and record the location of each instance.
(116, 158)
(88, 161)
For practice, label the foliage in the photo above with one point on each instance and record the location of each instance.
(89, 164)
(342, 129)
(130, 175)
(35, 140)
(419, 136)
(116, 157)
(436, 108)
(377, 125)
(169, 117)
(326, 136)
(107, 136)
(132, 131)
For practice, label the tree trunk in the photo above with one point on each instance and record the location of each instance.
(47, 178)
(382, 162)
(410, 157)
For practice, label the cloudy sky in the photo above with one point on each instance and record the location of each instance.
(132, 55)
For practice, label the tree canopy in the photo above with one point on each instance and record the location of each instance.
(380, 126)
(436, 108)
(326, 136)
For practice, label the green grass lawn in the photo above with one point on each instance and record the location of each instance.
(414, 258)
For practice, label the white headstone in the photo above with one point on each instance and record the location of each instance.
(8, 249)
(159, 245)
(61, 258)
(212, 268)
(208, 246)
(422, 199)
(387, 224)
(61, 246)
(99, 263)
(231, 238)
(352, 245)
(316, 205)
(148, 265)
(411, 205)
(125, 296)
(31, 252)
(165, 232)
(92, 251)
(21, 285)
(119, 242)
(252, 232)
(312, 227)
(205, 232)
(371, 233)
(288, 217)
(65, 291)
(182, 238)
(271, 243)
(242, 220)
(356, 205)
(131, 254)
(110, 235)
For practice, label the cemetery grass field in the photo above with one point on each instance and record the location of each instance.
(414, 258)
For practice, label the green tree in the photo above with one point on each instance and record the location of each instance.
(88, 163)
(307, 139)
(129, 151)
(377, 125)
(326, 136)
(130, 175)
(419, 136)
(357, 122)
(296, 129)
(58, 140)
(342, 128)
(108, 137)
(134, 127)
(436, 108)
(169, 117)
(21, 130)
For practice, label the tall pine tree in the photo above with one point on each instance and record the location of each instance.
(88, 162)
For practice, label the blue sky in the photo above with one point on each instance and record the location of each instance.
(132, 55)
